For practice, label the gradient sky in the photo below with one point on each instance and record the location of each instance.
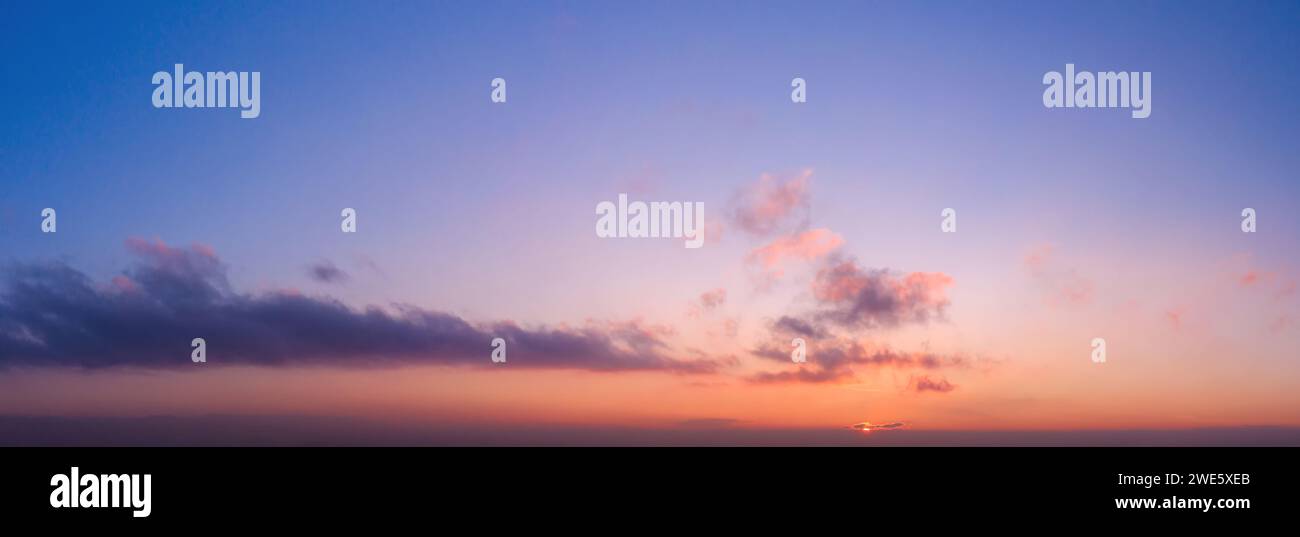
(1073, 224)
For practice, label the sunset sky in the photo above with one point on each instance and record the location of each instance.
(822, 219)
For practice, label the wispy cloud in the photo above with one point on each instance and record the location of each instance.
(836, 360)
(773, 204)
(709, 423)
(708, 301)
(868, 426)
(805, 246)
(1061, 286)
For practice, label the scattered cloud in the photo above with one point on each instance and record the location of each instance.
(1252, 277)
(708, 301)
(795, 326)
(1061, 286)
(806, 246)
(926, 384)
(850, 298)
(854, 297)
(773, 204)
(1272, 282)
(835, 360)
(326, 272)
(808, 375)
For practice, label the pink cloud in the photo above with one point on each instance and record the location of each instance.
(769, 205)
(708, 301)
(1253, 277)
(1277, 283)
(806, 246)
(870, 298)
(1175, 317)
(714, 298)
(1061, 285)
(157, 249)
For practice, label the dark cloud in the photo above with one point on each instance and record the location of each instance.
(795, 326)
(854, 297)
(811, 375)
(868, 426)
(712, 299)
(326, 272)
(54, 315)
(925, 384)
(849, 299)
(835, 359)
(709, 423)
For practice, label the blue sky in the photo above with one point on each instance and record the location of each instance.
(485, 210)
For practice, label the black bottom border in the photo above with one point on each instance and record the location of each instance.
(564, 487)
